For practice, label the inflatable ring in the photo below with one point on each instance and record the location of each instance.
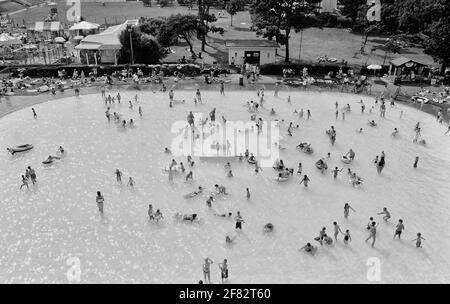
(43, 89)
(345, 159)
(282, 179)
(308, 150)
(321, 167)
(21, 148)
(268, 227)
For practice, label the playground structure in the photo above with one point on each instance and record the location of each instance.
(21, 2)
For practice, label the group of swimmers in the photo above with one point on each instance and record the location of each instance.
(119, 174)
(371, 228)
(223, 267)
(283, 172)
(116, 115)
(30, 173)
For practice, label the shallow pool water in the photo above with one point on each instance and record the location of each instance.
(43, 229)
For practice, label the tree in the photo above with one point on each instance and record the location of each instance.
(205, 18)
(277, 18)
(186, 2)
(422, 20)
(152, 26)
(351, 8)
(438, 43)
(145, 47)
(164, 3)
(392, 45)
(233, 7)
(181, 26)
(390, 10)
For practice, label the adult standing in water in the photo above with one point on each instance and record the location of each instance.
(170, 98)
(32, 175)
(198, 96)
(347, 208)
(239, 220)
(381, 162)
(224, 269)
(207, 270)
(118, 174)
(100, 200)
(212, 115)
(372, 233)
(222, 88)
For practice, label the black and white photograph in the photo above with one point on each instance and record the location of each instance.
(225, 143)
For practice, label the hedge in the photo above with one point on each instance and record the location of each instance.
(52, 70)
(366, 71)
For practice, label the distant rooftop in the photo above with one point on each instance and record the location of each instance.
(108, 39)
(402, 60)
(251, 43)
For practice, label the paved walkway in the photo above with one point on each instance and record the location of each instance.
(9, 104)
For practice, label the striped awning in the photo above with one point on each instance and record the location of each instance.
(41, 26)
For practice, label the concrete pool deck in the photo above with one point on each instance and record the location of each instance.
(10, 104)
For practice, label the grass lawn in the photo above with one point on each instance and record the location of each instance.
(112, 13)
(333, 42)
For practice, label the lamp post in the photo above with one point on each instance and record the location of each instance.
(130, 30)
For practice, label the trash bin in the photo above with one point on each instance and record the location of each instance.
(241, 80)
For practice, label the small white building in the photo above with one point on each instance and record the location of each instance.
(256, 51)
(104, 46)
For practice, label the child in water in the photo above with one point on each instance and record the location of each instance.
(418, 240)
(386, 213)
(347, 237)
(416, 161)
(24, 182)
(399, 228)
(336, 171)
(395, 133)
(308, 248)
(299, 170)
(305, 180)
